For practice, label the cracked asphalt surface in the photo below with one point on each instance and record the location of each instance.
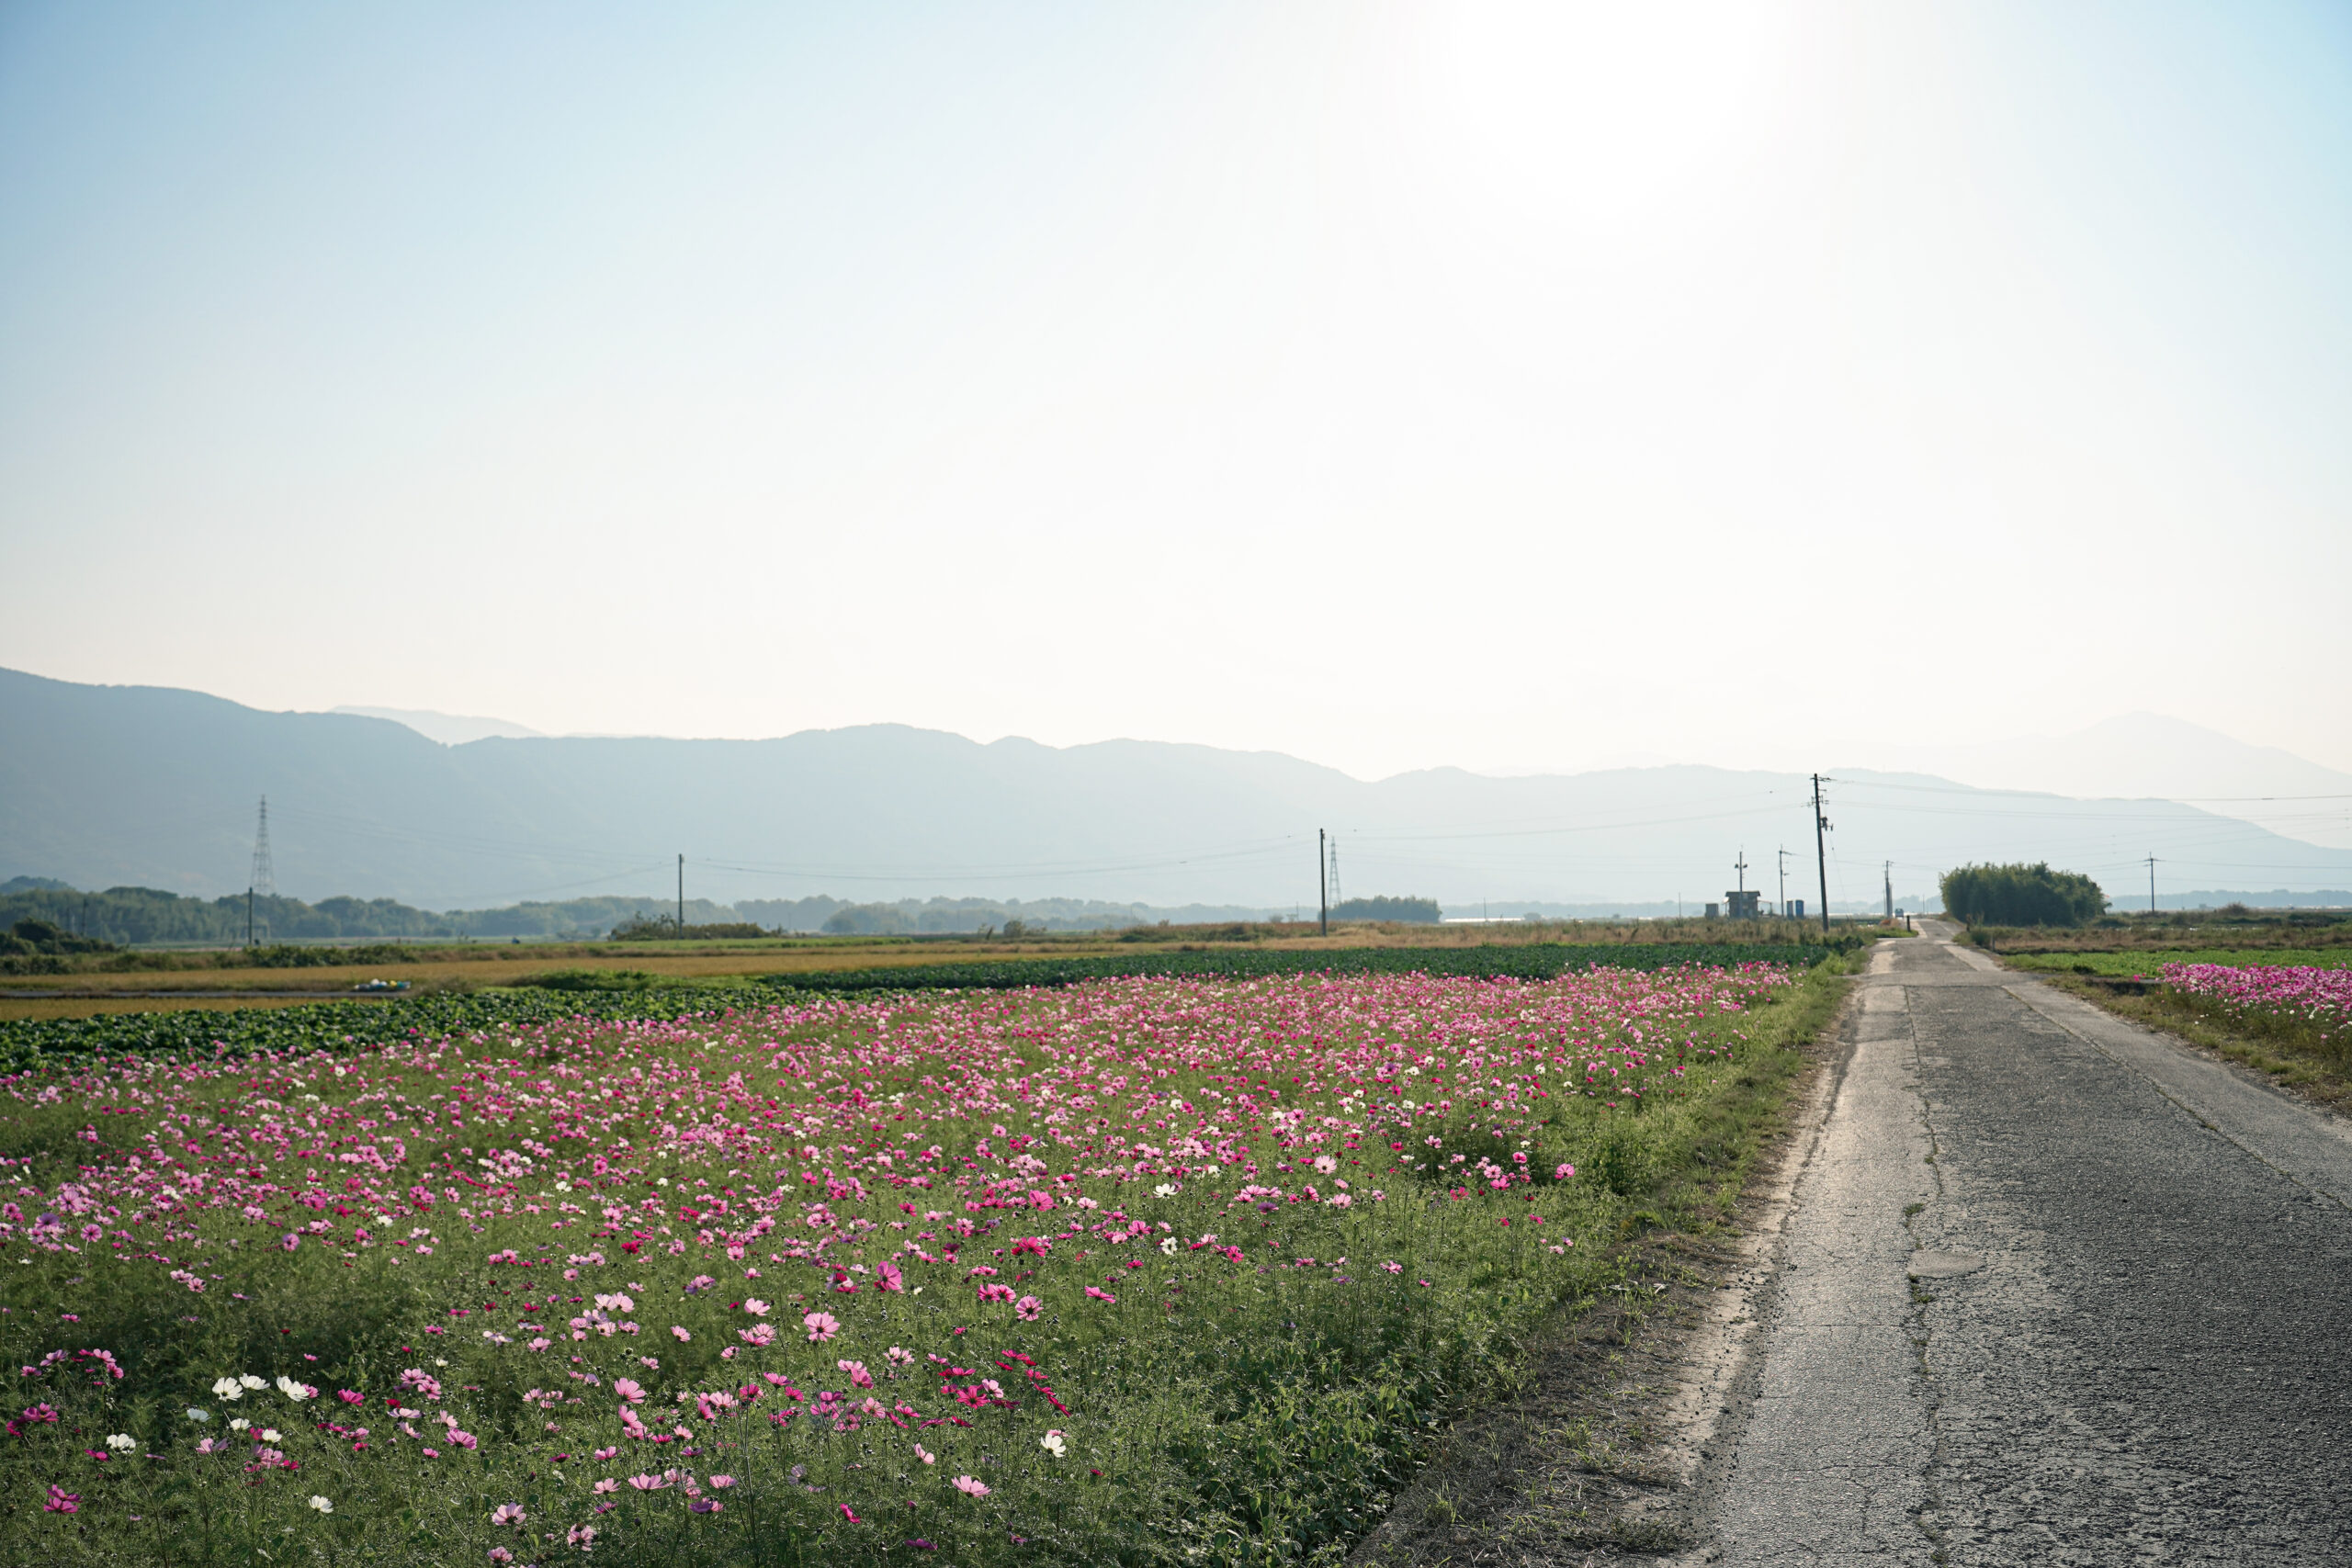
(2052, 1291)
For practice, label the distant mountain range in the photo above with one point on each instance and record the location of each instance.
(2148, 754)
(449, 728)
(104, 786)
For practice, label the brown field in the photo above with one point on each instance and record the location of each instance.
(95, 989)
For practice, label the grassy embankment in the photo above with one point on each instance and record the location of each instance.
(2118, 966)
(1258, 1417)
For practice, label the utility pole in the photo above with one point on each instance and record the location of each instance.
(2151, 884)
(1322, 883)
(681, 895)
(249, 914)
(1890, 889)
(1821, 852)
(1741, 866)
(1783, 856)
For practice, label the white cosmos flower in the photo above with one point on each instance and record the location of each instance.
(1167, 1244)
(227, 1388)
(123, 1442)
(272, 1435)
(1165, 1189)
(321, 1504)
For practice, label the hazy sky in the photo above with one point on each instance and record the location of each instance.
(1508, 386)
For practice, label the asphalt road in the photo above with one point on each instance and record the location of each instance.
(2115, 1325)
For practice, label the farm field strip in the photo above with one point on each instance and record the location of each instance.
(1138, 1270)
(2150, 962)
(373, 1020)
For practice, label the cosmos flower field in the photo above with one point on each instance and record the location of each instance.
(1137, 1270)
(2300, 997)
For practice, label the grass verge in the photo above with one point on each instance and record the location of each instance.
(1562, 1465)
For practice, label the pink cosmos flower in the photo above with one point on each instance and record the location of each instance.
(61, 1501)
(507, 1514)
(603, 1454)
(607, 1484)
(1096, 1293)
(969, 1487)
(1028, 1309)
(821, 1325)
(680, 1334)
(630, 1389)
(1563, 1172)
(722, 1481)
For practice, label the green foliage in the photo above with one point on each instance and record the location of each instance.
(152, 915)
(1409, 911)
(33, 935)
(596, 980)
(340, 1025)
(665, 928)
(2021, 894)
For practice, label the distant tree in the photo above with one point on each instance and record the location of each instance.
(867, 919)
(1411, 911)
(2021, 894)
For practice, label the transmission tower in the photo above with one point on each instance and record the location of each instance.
(265, 881)
(1337, 896)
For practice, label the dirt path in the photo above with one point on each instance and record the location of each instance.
(2049, 1291)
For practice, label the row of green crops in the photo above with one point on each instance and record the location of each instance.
(344, 1024)
(1530, 961)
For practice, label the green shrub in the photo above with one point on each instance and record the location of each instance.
(2021, 894)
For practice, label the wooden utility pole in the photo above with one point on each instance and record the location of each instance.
(1322, 883)
(1821, 852)
(249, 915)
(2151, 884)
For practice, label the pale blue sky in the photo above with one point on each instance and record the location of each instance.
(1387, 385)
